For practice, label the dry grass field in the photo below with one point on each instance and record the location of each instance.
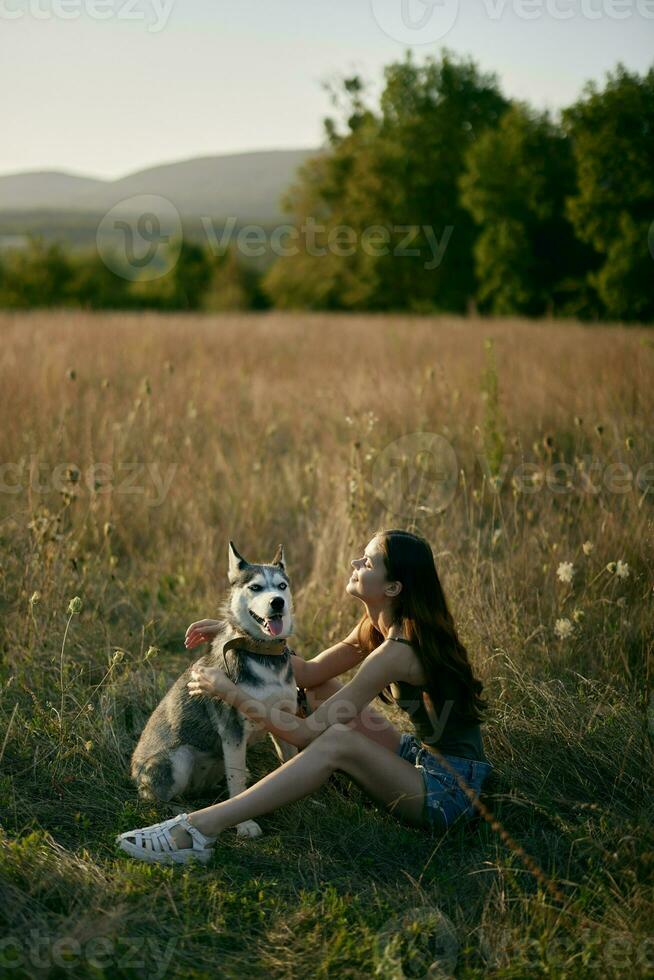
(135, 446)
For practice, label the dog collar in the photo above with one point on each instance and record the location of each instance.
(273, 648)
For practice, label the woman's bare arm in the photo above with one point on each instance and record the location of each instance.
(335, 660)
(385, 664)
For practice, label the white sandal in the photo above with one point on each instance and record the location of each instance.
(156, 843)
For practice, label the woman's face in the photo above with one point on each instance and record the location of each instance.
(368, 580)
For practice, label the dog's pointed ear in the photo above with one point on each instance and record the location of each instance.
(236, 564)
(279, 557)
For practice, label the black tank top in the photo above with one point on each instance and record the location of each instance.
(457, 737)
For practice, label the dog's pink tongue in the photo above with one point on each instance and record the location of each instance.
(275, 626)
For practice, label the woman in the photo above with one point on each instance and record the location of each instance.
(409, 652)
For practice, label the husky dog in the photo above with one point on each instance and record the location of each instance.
(190, 743)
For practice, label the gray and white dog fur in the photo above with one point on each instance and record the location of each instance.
(189, 742)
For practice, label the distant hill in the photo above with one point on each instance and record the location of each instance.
(247, 186)
(43, 189)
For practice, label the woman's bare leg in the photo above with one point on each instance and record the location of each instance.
(370, 722)
(389, 780)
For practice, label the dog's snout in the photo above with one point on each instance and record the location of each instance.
(277, 604)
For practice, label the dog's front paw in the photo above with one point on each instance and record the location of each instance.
(249, 828)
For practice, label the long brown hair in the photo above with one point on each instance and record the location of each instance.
(422, 611)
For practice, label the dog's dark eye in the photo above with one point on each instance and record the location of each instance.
(282, 585)
(255, 588)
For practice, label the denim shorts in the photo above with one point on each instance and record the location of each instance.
(445, 801)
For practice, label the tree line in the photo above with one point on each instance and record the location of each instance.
(46, 274)
(441, 195)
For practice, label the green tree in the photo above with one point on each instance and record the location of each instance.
(96, 287)
(183, 286)
(515, 183)
(390, 175)
(232, 285)
(38, 275)
(190, 277)
(612, 134)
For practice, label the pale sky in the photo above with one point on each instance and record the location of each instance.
(156, 81)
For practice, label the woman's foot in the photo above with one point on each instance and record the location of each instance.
(174, 841)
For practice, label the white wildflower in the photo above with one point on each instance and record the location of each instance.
(565, 571)
(588, 547)
(563, 628)
(622, 569)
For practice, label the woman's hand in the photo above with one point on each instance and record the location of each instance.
(209, 681)
(200, 632)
